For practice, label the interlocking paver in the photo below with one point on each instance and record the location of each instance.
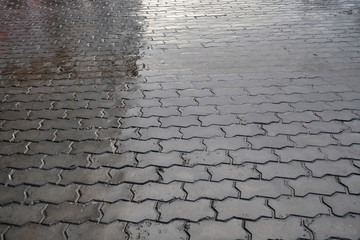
(306, 116)
(92, 231)
(152, 230)
(159, 159)
(205, 158)
(341, 204)
(233, 172)
(338, 152)
(320, 140)
(20, 161)
(201, 132)
(179, 121)
(51, 194)
(352, 183)
(12, 194)
(184, 174)
(21, 214)
(307, 154)
(223, 143)
(285, 129)
(156, 191)
(33, 231)
(291, 170)
(105, 193)
(160, 133)
(34, 176)
(242, 130)
(133, 175)
(182, 145)
(210, 190)
(254, 156)
(338, 168)
(112, 160)
(277, 142)
(84, 176)
(254, 188)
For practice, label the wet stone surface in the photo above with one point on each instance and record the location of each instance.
(154, 119)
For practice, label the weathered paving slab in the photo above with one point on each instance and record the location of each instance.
(154, 119)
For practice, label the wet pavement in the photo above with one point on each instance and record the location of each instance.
(193, 119)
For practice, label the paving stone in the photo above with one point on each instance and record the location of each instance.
(309, 206)
(323, 186)
(14, 115)
(327, 227)
(212, 190)
(93, 231)
(16, 214)
(20, 161)
(50, 148)
(197, 110)
(325, 127)
(215, 230)
(352, 182)
(348, 138)
(214, 100)
(51, 194)
(233, 172)
(290, 170)
(59, 124)
(157, 191)
(48, 114)
(320, 140)
(218, 120)
(216, 143)
(275, 129)
(330, 115)
(341, 204)
(180, 102)
(12, 194)
(72, 213)
(8, 148)
(160, 133)
(160, 112)
(160, 94)
(278, 229)
(84, 176)
(96, 123)
(34, 176)
(254, 156)
(159, 159)
(193, 211)
(35, 135)
(182, 145)
(6, 135)
(68, 104)
(306, 116)
(118, 134)
(138, 146)
(105, 193)
(242, 130)
(21, 125)
(75, 135)
(309, 106)
(129, 211)
(195, 93)
(93, 147)
(113, 160)
(142, 103)
(179, 121)
(244, 209)
(65, 161)
(205, 158)
(308, 154)
(255, 188)
(133, 175)
(140, 122)
(153, 230)
(344, 105)
(277, 142)
(36, 231)
(201, 132)
(5, 175)
(122, 112)
(353, 125)
(338, 152)
(338, 168)
(184, 174)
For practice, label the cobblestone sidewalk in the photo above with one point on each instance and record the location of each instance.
(129, 119)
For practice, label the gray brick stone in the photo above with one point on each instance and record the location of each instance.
(12, 194)
(51, 194)
(6, 135)
(218, 119)
(277, 142)
(255, 188)
(245, 209)
(140, 122)
(180, 102)
(201, 132)
(160, 112)
(264, 90)
(138, 146)
(129, 211)
(34, 176)
(159, 159)
(287, 129)
(205, 158)
(5, 175)
(212, 190)
(35, 135)
(242, 130)
(229, 91)
(197, 110)
(21, 125)
(216, 100)
(254, 156)
(113, 160)
(160, 94)
(50, 148)
(19, 161)
(74, 135)
(338, 168)
(154, 231)
(47, 114)
(348, 138)
(21, 214)
(352, 182)
(193, 211)
(309, 106)
(8, 148)
(320, 140)
(141, 103)
(72, 213)
(133, 175)
(195, 93)
(323, 186)
(327, 227)
(338, 152)
(65, 161)
(157, 191)
(208, 229)
(182, 145)
(353, 125)
(93, 147)
(69, 104)
(277, 229)
(216, 143)
(122, 112)
(325, 127)
(14, 115)
(117, 134)
(233, 172)
(184, 174)
(331, 115)
(308, 154)
(306, 116)
(308, 206)
(341, 204)
(179, 121)
(36, 231)
(95, 123)
(105, 193)
(160, 133)
(84, 176)
(93, 231)
(282, 170)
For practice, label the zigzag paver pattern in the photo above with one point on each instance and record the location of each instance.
(179, 119)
